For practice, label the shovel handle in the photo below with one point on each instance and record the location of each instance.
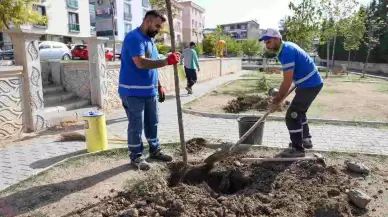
(257, 123)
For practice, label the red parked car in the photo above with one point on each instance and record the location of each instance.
(80, 52)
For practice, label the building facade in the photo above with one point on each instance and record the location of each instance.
(178, 24)
(249, 30)
(68, 21)
(128, 16)
(193, 22)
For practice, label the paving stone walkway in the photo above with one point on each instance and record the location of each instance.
(20, 162)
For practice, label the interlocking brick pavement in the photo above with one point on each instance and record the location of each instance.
(20, 162)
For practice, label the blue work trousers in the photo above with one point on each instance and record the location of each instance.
(141, 111)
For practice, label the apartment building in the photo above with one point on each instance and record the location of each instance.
(68, 21)
(248, 30)
(128, 15)
(193, 22)
(178, 24)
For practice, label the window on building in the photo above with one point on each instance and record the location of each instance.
(227, 28)
(74, 22)
(128, 28)
(144, 12)
(146, 3)
(192, 23)
(72, 3)
(195, 24)
(42, 11)
(232, 27)
(127, 12)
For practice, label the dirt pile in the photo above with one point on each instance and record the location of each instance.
(301, 189)
(195, 145)
(245, 103)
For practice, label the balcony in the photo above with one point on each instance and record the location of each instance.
(106, 33)
(127, 16)
(72, 4)
(74, 27)
(103, 14)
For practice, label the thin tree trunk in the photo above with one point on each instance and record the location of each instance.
(347, 68)
(114, 29)
(327, 58)
(366, 63)
(332, 55)
(177, 92)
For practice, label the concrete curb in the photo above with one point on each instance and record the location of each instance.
(281, 118)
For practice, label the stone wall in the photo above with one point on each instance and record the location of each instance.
(113, 71)
(230, 65)
(11, 102)
(371, 67)
(75, 77)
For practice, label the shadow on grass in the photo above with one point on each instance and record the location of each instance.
(33, 198)
(50, 161)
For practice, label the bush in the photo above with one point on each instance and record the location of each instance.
(199, 49)
(162, 48)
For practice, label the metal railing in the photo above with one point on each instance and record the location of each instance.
(72, 4)
(74, 27)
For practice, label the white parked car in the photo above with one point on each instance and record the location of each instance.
(51, 50)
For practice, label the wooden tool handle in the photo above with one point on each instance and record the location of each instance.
(257, 123)
(276, 159)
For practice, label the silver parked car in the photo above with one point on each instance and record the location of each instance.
(51, 50)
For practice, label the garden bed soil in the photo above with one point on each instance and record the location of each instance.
(255, 102)
(231, 188)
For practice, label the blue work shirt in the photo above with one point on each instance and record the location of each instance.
(292, 57)
(134, 81)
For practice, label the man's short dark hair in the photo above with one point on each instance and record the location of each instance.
(192, 44)
(155, 14)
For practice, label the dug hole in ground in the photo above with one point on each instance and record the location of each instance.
(105, 185)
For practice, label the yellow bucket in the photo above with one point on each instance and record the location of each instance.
(95, 131)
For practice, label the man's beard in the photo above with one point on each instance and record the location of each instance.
(151, 33)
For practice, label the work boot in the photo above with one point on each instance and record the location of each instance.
(307, 144)
(140, 163)
(293, 152)
(158, 155)
(189, 90)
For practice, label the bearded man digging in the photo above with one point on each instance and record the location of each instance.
(140, 88)
(298, 68)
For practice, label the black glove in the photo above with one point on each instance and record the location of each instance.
(162, 94)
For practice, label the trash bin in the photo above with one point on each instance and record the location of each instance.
(95, 131)
(245, 123)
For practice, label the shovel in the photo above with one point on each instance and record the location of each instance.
(225, 152)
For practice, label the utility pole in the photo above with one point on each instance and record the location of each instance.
(113, 9)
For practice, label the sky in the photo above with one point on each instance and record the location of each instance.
(266, 12)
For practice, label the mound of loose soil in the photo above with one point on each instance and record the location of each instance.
(300, 189)
(245, 103)
(195, 145)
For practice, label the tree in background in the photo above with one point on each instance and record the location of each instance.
(353, 30)
(374, 26)
(234, 47)
(303, 26)
(251, 48)
(199, 49)
(18, 12)
(162, 48)
(337, 11)
(326, 35)
(160, 5)
(209, 44)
